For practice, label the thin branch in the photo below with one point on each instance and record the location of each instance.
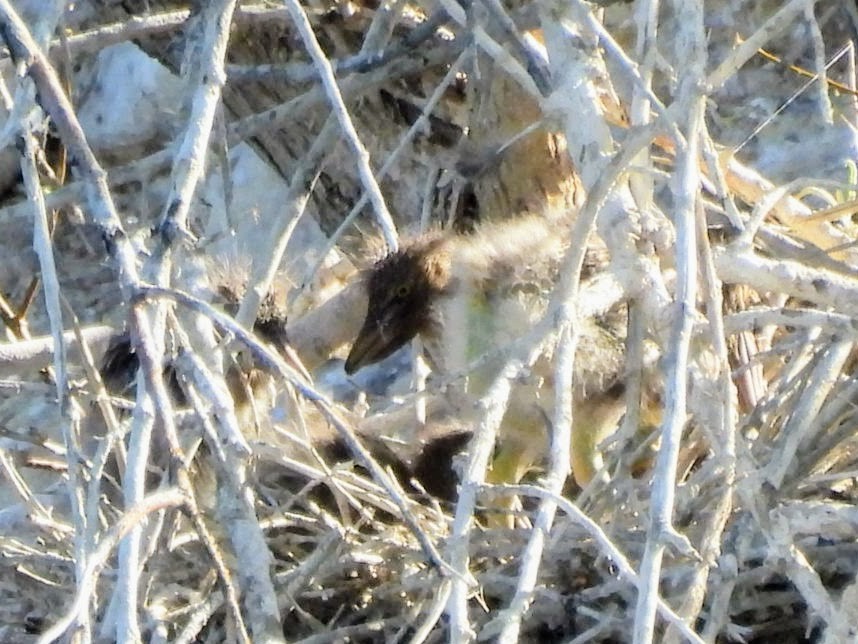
(35, 353)
(559, 458)
(133, 517)
(606, 545)
(691, 50)
(740, 265)
(774, 26)
(393, 157)
(335, 98)
(293, 374)
(722, 401)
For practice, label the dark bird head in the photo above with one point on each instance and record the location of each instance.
(401, 289)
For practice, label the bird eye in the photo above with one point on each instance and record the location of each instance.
(403, 290)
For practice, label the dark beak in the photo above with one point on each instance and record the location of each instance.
(369, 347)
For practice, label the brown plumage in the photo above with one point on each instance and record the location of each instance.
(430, 465)
(466, 296)
(401, 288)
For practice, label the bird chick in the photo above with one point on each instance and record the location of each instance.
(466, 296)
(402, 290)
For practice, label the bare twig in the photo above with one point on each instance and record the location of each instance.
(607, 546)
(132, 518)
(335, 98)
(661, 533)
(274, 363)
(35, 354)
(392, 158)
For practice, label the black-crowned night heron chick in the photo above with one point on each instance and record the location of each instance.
(430, 464)
(466, 296)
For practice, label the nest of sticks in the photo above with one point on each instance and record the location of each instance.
(209, 483)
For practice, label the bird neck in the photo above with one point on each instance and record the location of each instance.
(499, 280)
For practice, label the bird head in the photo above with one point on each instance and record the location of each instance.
(401, 290)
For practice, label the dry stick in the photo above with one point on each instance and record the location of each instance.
(208, 78)
(366, 631)
(232, 591)
(7, 463)
(203, 611)
(133, 27)
(335, 98)
(608, 547)
(492, 407)
(642, 184)
(492, 48)
(50, 283)
(717, 177)
(559, 467)
(363, 62)
(353, 87)
(523, 48)
(103, 212)
(838, 324)
(380, 29)
(35, 353)
(792, 97)
(765, 205)
(228, 446)
(835, 447)
(274, 363)
(114, 429)
(11, 319)
(436, 610)
(51, 288)
(267, 261)
(133, 484)
(751, 187)
(134, 517)
(591, 145)
(819, 385)
(404, 142)
(213, 389)
(189, 162)
(37, 511)
(780, 538)
(741, 265)
(305, 573)
(661, 533)
(724, 444)
(823, 101)
(583, 14)
(770, 29)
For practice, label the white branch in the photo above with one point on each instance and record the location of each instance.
(329, 81)
(691, 49)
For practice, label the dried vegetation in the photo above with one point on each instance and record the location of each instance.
(170, 508)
